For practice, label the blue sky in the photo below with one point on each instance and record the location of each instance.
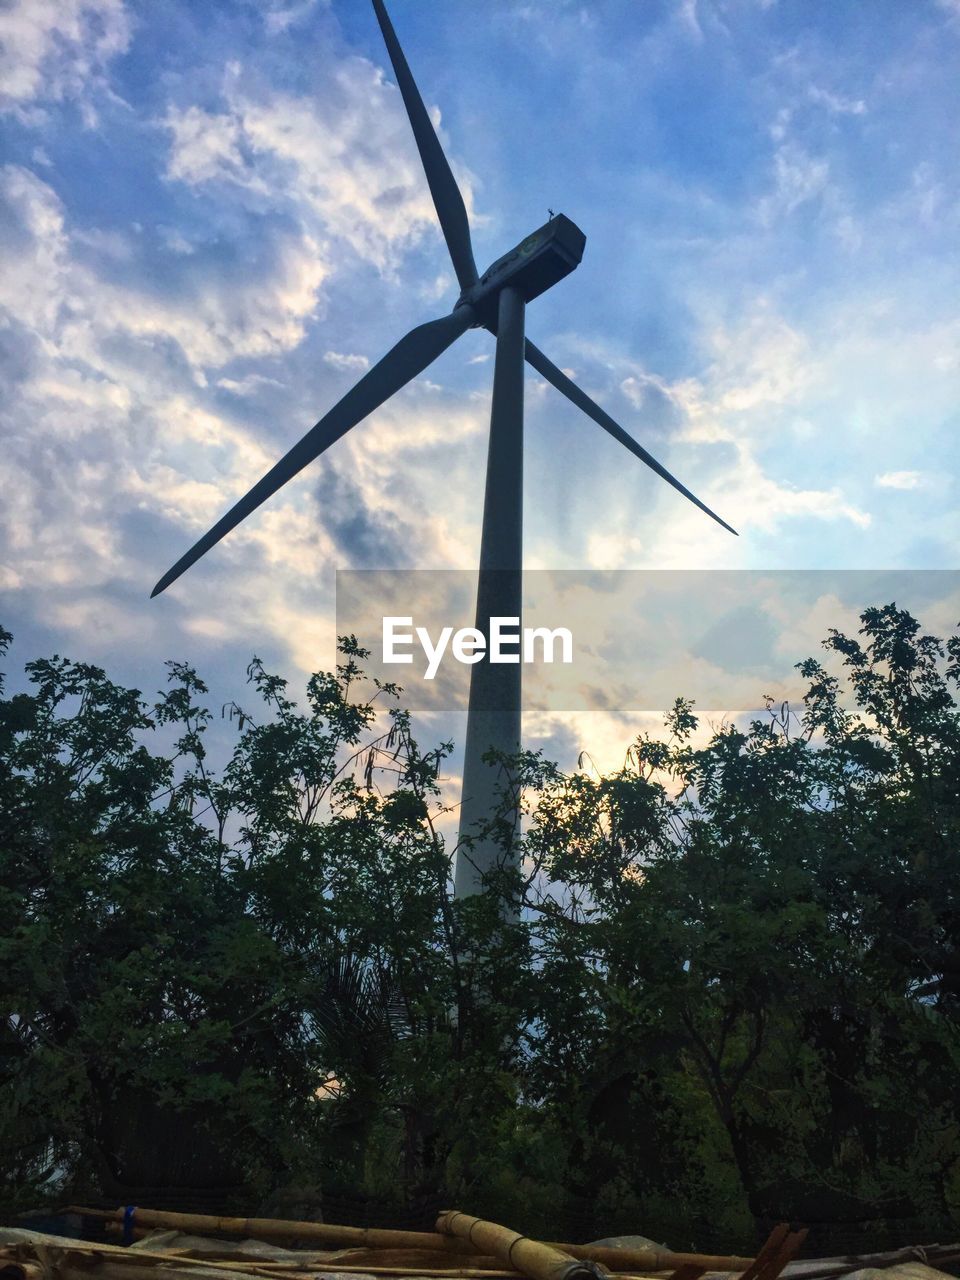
(212, 216)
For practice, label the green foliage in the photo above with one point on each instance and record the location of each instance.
(732, 993)
(176, 944)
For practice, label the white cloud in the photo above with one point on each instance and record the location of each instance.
(756, 372)
(759, 369)
(279, 17)
(247, 386)
(848, 232)
(206, 146)
(928, 197)
(79, 399)
(217, 316)
(116, 422)
(760, 363)
(342, 161)
(836, 102)
(31, 283)
(687, 11)
(638, 387)
(341, 360)
(778, 130)
(175, 241)
(107, 244)
(613, 551)
(798, 178)
(442, 283)
(52, 49)
(228, 314)
(162, 451)
(899, 480)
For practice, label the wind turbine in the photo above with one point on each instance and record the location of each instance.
(495, 301)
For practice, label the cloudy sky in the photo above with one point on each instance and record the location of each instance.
(212, 218)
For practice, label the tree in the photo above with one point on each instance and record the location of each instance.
(772, 917)
(732, 994)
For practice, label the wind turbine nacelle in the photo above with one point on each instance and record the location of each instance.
(535, 265)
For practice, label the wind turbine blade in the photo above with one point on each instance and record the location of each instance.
(443, 187)
(549, 370)
(410, 356)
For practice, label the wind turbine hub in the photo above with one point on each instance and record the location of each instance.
(535, 265)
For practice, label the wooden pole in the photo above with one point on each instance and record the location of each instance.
(634, 1260)
(106, 1262)
(621, 1259)
(282, 1229)
(350, 1257)
(536, 1260)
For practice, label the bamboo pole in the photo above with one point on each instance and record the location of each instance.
(441, 1273)
(632, 1260)
(338, 1259)
(536, 1260)
(453, 1273)
(57, 1253)
(629, 1259)
(388, 1261)
(785, 1252)
(77, 1260)
(86, 1260)
(767, 1252)
(623, 1262)
(77, 1268)
(688, 1272)
(282, 1229)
